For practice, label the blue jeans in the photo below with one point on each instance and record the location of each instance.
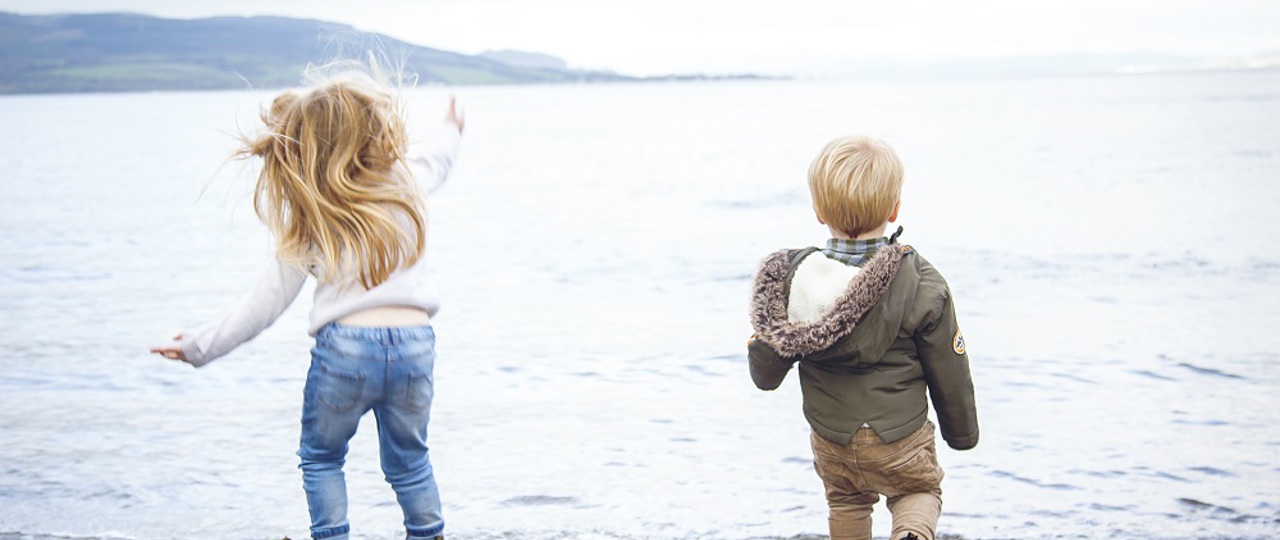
(354, 370)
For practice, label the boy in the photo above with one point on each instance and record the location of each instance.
(872, 326)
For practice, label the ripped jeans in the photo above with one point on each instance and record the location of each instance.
(354, 370)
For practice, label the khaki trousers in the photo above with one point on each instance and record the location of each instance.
(906, 472)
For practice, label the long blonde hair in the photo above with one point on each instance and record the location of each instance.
(334, 185)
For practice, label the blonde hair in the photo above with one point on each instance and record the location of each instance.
(856, 182)
(333, 185)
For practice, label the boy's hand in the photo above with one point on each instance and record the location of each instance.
(768, 369)
(171, 351)
(455, 117)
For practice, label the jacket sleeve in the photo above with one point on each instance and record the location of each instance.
(768, 368)
(946, 370)
(275, 290)
(431, 163)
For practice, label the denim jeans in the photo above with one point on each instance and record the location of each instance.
(355, 370)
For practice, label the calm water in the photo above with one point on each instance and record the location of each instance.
(1110, 240)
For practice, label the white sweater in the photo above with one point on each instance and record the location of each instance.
(280, 283)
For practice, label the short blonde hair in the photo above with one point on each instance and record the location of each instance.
(855, 182)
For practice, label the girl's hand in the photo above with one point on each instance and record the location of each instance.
(455, 116)
(172, 351)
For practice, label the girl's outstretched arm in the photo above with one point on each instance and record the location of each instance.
(431, 168)
(455, 116)
(276, 288)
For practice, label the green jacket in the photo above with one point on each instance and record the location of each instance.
(869, 342)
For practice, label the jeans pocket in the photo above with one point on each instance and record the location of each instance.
(915, 471)
(831, 471)
(419, 391)
(339, 390)
(830, 466)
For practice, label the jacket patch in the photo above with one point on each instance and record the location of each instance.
(957, 343)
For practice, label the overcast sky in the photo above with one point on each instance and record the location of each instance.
(646, 37)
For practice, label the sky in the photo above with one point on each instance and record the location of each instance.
(794, 37)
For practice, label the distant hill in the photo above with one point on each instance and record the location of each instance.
(127, 52)
(526, 59)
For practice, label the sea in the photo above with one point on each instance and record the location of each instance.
(1112, 243)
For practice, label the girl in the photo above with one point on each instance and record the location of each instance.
(340, 198)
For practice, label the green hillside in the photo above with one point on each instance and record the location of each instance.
(127, 52)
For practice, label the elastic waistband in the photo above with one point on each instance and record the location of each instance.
(388, 335)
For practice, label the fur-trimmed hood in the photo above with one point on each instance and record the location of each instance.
(816, 325)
